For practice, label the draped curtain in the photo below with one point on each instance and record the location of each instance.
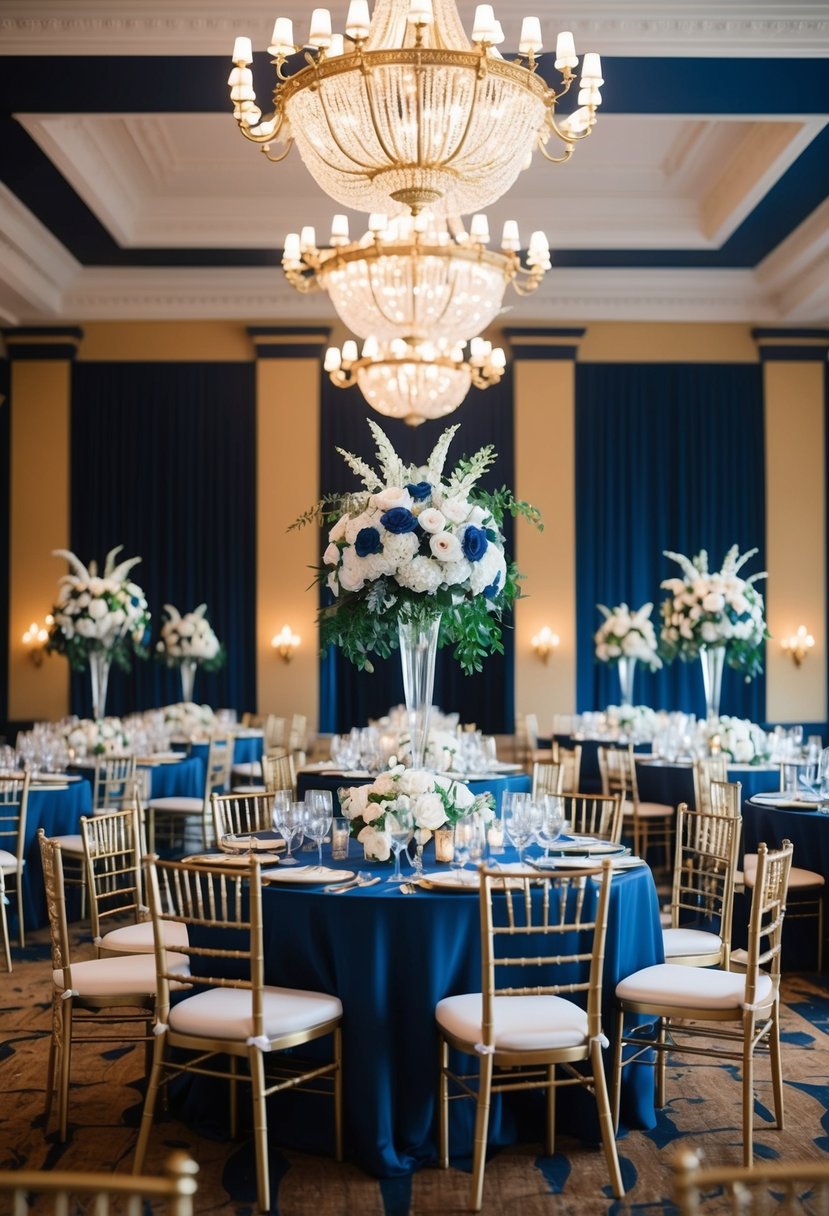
(668, 456)
(163, 463)
(349, 697)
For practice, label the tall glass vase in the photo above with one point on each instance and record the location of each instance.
(187, 671)
(713, 665)
(627, 671)
(100, 662)
(418, 647)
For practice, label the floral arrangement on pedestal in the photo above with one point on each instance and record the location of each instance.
(624, 634)
(433, 801)
(414, 545)
(714, 609)
(187, 720)
(98, 620)
(741, 739)
(637, 721)
(106, 737)
(188, 642)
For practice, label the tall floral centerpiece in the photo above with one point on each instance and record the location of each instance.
(99, 619)
(717, 617)
(416, 560)
(188, 642)
(626, 638)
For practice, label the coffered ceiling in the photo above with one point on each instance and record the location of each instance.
(126, 191)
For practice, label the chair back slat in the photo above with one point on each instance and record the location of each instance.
(725, 798)
(103, 1194)
(114, 785)
(570, 760)
(14, 803)
(52, 865)
(241, 814)
(767, 1188)
(706, 770)
(112, 854)
(768, 909)
(705, 865)
(548, 778)
(278, 771)
(598, 815)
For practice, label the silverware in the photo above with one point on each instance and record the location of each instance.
(408, 888)
(360, 884)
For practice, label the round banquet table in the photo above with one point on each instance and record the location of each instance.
(494, 783)
(390, 958)
(247, 747)
(182, 779)
(58, 810)
(590, 779)
(808, 830)
(673, 782)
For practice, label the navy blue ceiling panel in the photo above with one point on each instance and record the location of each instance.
(175, 84)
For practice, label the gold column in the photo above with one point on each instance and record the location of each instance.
(794, 364)
(40, 397)
(544, 386)
(287, 471)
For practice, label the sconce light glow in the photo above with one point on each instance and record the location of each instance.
(35, 638)
(285, 643)
(798, 645)
(545, 642)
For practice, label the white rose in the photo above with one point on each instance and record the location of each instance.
(98, 610)
(86, 628)
(432, 520)
(376, 844)
(743, 751)
(713, 602)
(392, 496)
(456, 510)
(446, 547)
(429, 811)
(478, 517)
(416, 782)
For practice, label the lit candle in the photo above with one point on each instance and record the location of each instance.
(444, 845)
(495, 836)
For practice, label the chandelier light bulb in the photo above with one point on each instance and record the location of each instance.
(414, 116)
(510, 238)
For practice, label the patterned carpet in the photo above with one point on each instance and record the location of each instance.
(703, 1109)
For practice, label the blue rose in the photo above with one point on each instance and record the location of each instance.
(420, 491)
(398, 520)
(368, 541)
(474, 543)
(491, 591)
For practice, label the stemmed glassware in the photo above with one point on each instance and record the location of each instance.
(289, 821)
(823, 781)
(520, 823)
(550, 818)
(469, 841)
(319, 816)
(401, 826)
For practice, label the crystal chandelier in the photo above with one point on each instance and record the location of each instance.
(408, 111)
(415, 381)
(420, 279)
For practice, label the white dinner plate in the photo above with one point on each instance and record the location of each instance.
(55, 778)
(307, 875)
(233, 859)
(589, 846)
(786, 801)
(259, 842)
(468, 880)
(622, 861)
(52, 786)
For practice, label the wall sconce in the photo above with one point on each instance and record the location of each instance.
(545, 642)
(798, 645)
(285, 643)
(35, 639)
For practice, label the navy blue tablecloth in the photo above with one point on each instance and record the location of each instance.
(183, 779)
(58, 811)
(672, 783)
(390, 958)
(311, 779)
(246, 748)
(590, 779)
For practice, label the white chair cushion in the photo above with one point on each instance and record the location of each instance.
(649, 810)
(138, 939)
(669, 984)
(177, 806)
(248, 768)
(680, 942)
(250, 789)
(8, 861)
(522, 1023)
(70, 844)
(798, 879)
(125, 975)
(225, 1013)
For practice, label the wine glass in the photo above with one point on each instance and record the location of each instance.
(318, 817)
(289, 821)
(520, 823)
(550, 812)
(823, 780)
(400, 825)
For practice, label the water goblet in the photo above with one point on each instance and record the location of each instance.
(823, 781)
(520, 824)
(400, 825)
(318, 818)
(550, 820)
(289, 821)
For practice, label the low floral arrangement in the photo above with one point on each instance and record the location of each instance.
(637, 720)
(434, 801)
(714, 609)
(106, 737)
(189, 637)
(188, 720)
(627, 635)
(744, 741)
(413, 545)
(107, 613)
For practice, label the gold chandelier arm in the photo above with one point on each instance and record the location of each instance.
(533, 279)
(266, 148)
(304, 280)
(569, 149)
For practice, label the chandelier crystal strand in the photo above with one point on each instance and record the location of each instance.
(422, 279)
(408, 113)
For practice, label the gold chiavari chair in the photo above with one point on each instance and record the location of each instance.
(547, 779)
(180, 812)
(702, 892)
(570, 760)
(61, 1192)
(712, 768)
(652, 822)
(529, 1034)
(279, 772)
(238, 1016)
(598, 815)
(241, 814)
(276, 732)
(14, 804)
(90, 996)
(770, 1188)
(711, 1012)
(526, 738)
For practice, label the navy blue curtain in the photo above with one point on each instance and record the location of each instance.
(349, 697)
(668, 456)
(163, 463)
(5, 516)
